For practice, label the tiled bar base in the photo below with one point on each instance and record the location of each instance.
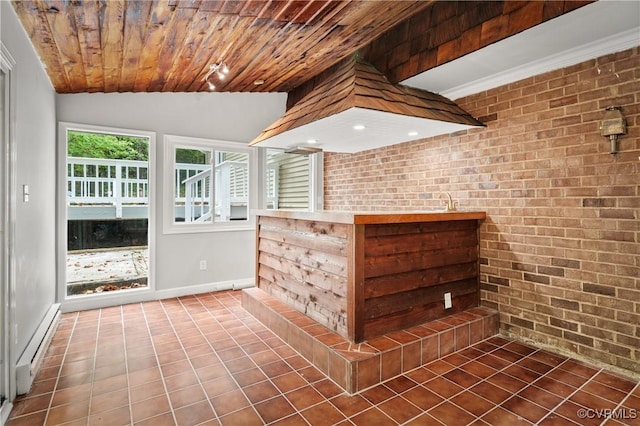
(356, 367)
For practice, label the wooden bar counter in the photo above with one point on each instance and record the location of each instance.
(365, 274)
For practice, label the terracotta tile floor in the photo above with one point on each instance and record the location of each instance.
(204, 360)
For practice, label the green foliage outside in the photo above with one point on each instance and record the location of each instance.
(190, 156)
(117, 147)
(96, 145)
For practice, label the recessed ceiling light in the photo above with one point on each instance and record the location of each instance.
(312, 141)
(413, 133)
(258, 82)
(359, 127)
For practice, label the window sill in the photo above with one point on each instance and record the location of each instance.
(202, 228)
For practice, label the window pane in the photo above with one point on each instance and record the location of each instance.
(193, 185)
(107, 212)
(231, 186)
(287, 181)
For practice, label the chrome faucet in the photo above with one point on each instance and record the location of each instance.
(449, 203)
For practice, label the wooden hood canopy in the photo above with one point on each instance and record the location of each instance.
(355, 108)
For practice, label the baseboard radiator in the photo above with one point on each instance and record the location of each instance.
(32, 357)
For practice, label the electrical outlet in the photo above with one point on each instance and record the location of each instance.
(203, 265)
(447, 300)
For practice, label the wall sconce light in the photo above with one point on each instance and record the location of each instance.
(220, 69)
(613, 125)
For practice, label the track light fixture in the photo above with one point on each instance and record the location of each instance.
(220, 69)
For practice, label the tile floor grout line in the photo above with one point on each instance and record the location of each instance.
(193, 369)
(554, 368)
(375, 406)
(297, 411)
(442, 359)
(155, 353)
(592, 379)
(126, 362)
(283, 394)
(66, 349)
(95, 351)
(566, 399)
(285, 343)
(95, 358)
(480, 380)
(419, 408)
(618, 407)
(284, 359)
(216, 352)
(240, 347)
(502, 370)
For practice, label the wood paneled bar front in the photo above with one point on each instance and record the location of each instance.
(365, 274)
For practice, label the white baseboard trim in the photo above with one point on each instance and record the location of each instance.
(5, 409)
(205, 288)
(115, 298)
(32, 357)
(245, 284)
(139, 295)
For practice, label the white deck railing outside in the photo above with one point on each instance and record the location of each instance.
(105, 182)
(97, 181)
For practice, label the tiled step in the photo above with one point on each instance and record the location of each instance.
(356, 367)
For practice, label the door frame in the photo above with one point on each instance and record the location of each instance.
(79, 302)
(7, 217)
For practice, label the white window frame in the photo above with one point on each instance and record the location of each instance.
(92, 301)
(170, 226)
(316, 180)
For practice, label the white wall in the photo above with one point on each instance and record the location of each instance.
(234, 117)
(35, 141)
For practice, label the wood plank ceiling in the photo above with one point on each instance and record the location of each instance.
(168, 45)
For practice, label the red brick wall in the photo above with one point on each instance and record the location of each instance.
(561, 246)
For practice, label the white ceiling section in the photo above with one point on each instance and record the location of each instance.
(336, 133)
(600, 28)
